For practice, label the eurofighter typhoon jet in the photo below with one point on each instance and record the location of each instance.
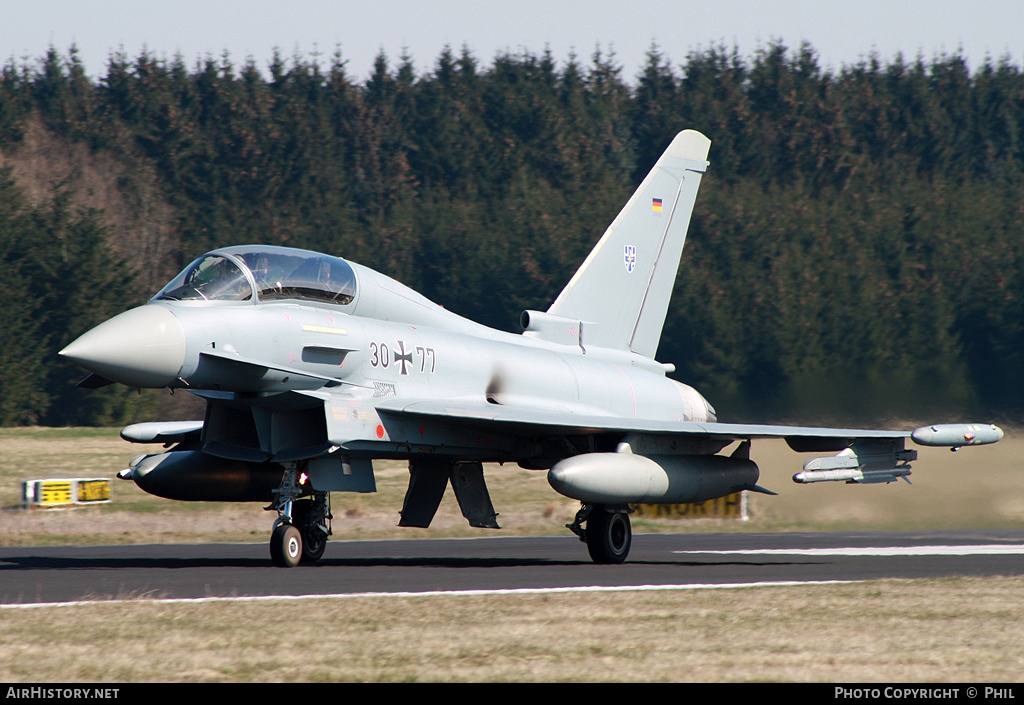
(312, 367)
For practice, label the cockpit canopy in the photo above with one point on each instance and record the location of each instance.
(262, 273)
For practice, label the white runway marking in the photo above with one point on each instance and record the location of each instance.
(980, 550)
(439, 593)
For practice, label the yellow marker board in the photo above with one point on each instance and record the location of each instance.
(65, 492)
(732, 506)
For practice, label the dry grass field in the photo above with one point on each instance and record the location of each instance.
(955, 630)
(979, 487)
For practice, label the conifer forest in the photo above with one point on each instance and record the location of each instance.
(856, 253)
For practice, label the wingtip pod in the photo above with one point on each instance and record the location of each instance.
(689, 144)
(957, 434)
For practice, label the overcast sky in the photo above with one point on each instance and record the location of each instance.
(841, 31)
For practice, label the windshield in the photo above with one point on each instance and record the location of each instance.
(209, 278)
(297, 274)
(278, 272)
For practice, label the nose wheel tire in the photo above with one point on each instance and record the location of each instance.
(609, 535)
(286, 546)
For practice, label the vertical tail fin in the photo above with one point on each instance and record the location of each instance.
(621, 291)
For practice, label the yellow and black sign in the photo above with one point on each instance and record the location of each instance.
(93, 491)
(53, 492)
(63, 493)
(732, 506)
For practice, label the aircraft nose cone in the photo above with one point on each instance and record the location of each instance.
(143, 347)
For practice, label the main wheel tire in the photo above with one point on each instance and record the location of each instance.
(314, 542)
(286, 546)
(609, 535)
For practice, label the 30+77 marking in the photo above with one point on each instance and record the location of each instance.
(382, 356)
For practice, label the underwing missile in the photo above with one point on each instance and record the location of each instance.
(863, 463)
(853, 476)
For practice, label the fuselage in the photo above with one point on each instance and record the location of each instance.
(355, 342)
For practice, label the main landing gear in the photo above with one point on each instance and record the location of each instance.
(302, 526)
(608, 534)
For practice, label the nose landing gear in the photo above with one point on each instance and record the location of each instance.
(286, 546)
(302, 526)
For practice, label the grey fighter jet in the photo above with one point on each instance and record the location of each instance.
(312, 367)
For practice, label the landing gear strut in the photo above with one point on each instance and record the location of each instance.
(302, 526)
(608, 534)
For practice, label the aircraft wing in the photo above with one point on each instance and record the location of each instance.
(862, 455)
(544, 422)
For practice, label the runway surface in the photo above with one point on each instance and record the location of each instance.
(31, 575)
